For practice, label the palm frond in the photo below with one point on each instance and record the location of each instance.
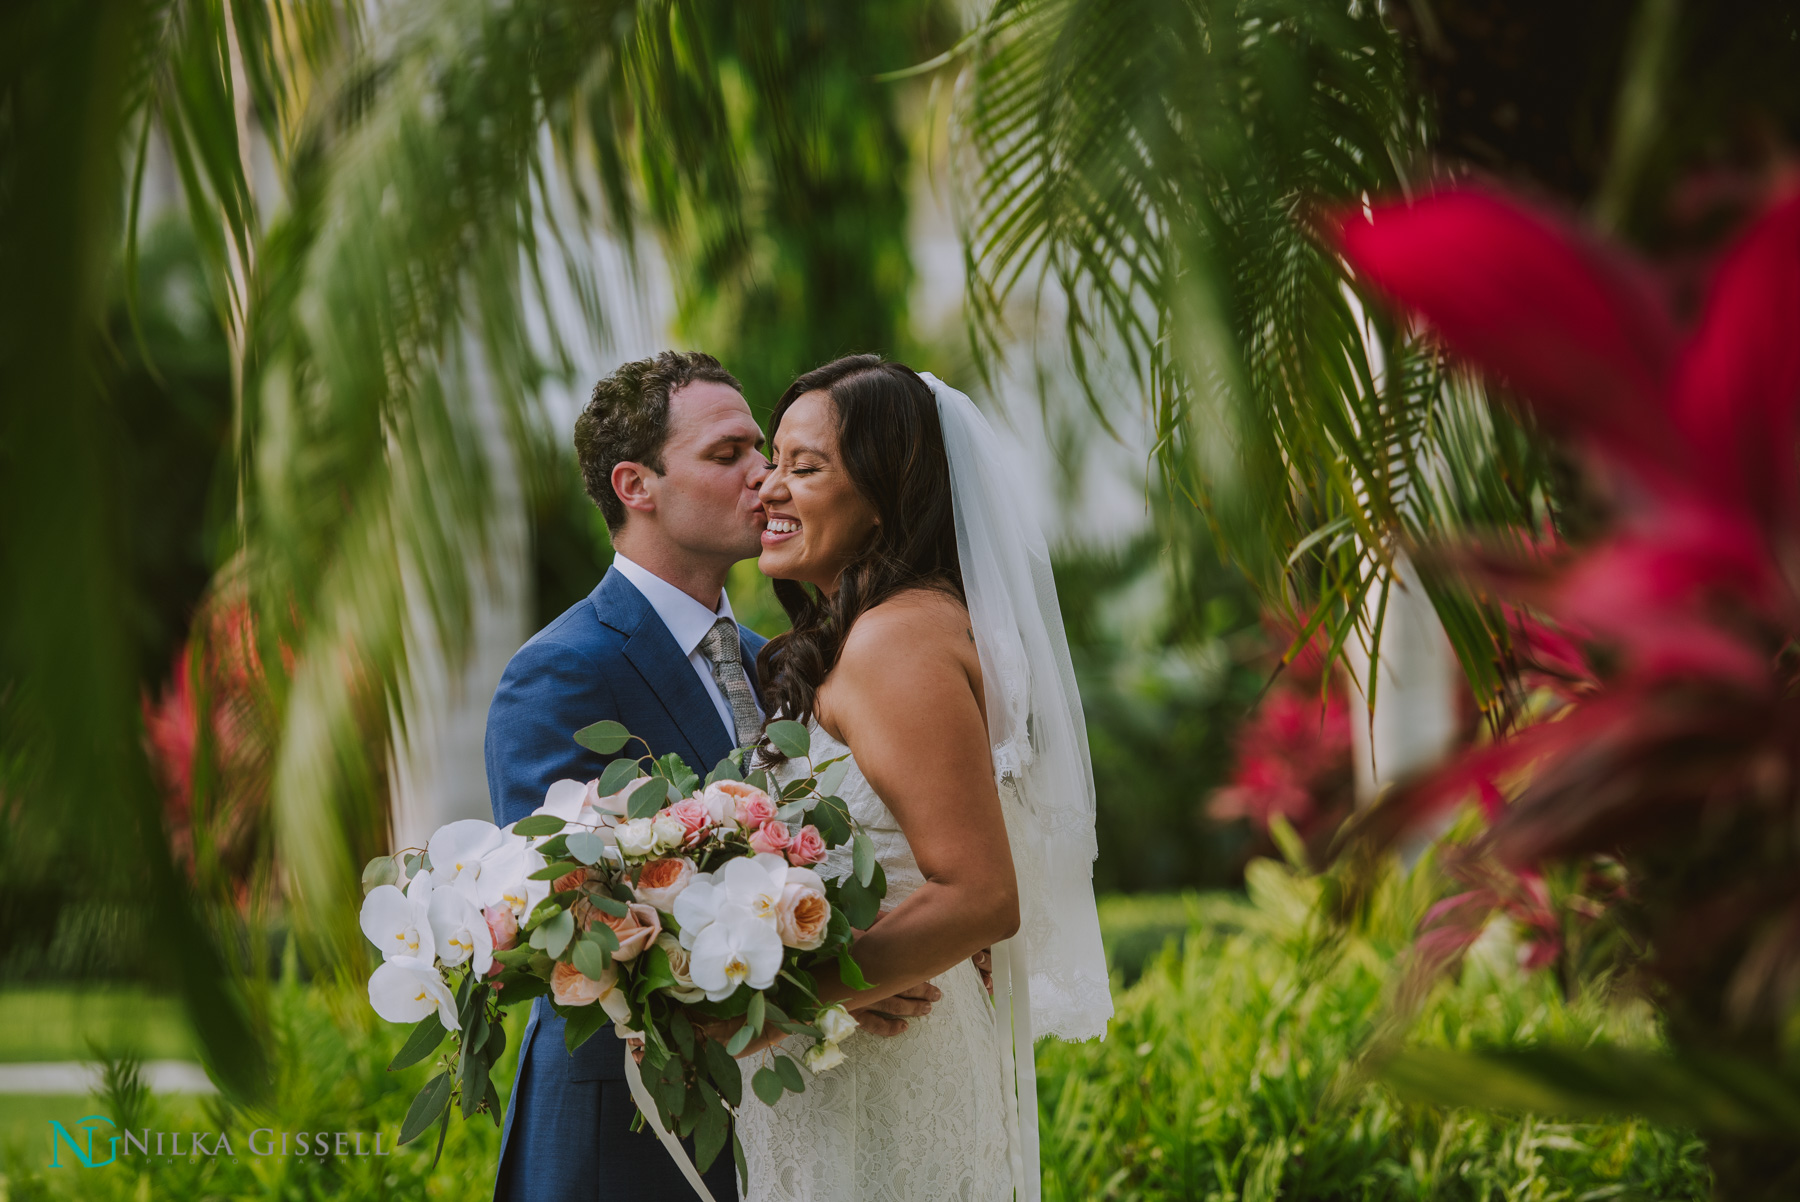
(1170, 167)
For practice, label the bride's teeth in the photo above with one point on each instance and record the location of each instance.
(782, 526)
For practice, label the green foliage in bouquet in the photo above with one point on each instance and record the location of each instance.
(686, 912)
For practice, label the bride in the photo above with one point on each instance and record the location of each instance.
(927, 643)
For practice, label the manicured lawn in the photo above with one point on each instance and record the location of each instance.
(67, 1023)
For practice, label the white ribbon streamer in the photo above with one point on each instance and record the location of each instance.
(1012, 986)
(647, 1106)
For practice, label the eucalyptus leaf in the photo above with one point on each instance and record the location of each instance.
(380, 871)
(618, 774)
(603, 737)
(538, 824)
(789, 1073)
(832, 774)
(767, 1085)
(790, 738)
(586, 847)
(601, 936)
(863, 855)
(589, 960)
(608, 905)
(740, 1039)
(725, 769)
(550, 872)
(427, 1105)
(426, 1037)
(556, 932)
(647, 799)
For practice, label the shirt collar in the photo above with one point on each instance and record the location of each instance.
(687, 619)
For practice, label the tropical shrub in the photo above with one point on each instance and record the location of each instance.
(1676, 751)
(1231, 1071)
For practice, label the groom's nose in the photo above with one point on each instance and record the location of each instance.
(759, 471)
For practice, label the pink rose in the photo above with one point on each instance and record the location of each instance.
(660, 882)
(802, 915)
(502, 926)
(691, 812)
(806, 847)
(751, 807)
(569, 987)
(637, 930)
(771, 837)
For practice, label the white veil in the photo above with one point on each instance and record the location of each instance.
(1035, 725)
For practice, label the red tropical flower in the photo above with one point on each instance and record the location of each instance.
(1680, 750)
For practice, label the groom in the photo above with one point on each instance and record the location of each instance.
(670, 453)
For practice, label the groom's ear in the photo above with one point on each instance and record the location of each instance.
(631, 484)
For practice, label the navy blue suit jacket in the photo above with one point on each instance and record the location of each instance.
(608, 657)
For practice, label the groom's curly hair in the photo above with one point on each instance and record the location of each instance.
(627, 420)
(892, 446)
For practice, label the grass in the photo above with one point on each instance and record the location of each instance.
(67, 1023)
(1229, 1075)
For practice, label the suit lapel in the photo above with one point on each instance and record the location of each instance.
(652, 650)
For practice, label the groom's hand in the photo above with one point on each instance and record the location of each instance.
(888, 1016)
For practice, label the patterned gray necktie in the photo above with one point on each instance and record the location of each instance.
(721, 648)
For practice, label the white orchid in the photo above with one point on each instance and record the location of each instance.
(755, 883)
(736, 948)
(697, 906)
(461, 932)
(396, 922)
(405, 990)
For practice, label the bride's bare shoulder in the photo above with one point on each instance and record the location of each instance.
(917, 620)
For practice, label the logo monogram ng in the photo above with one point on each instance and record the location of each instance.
(87, 1124)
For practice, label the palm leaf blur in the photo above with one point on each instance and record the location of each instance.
(380, 201)
(1161, 166)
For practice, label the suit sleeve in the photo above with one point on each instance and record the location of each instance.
(548, 692)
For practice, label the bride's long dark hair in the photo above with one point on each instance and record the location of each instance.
(892, 448)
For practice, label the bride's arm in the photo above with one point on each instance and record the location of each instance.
(905, 696)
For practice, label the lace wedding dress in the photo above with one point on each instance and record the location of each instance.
(918, 1117)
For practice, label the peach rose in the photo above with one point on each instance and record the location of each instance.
(660, 882)
(502, 926)
(802, 915)
(770, 837)
(569, 987)
(569, 880)
(746, 805)
(694, 817)
(806, 847)
(637, 930)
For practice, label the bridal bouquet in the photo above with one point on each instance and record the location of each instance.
(687, 913)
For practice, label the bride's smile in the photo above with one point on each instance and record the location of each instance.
(817, 518)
